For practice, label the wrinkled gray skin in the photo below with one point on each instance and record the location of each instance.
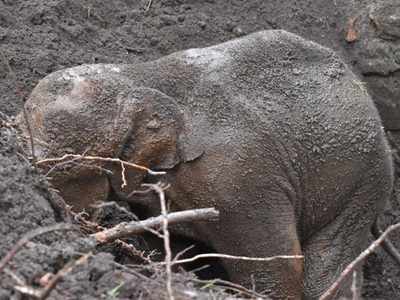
(272, 130)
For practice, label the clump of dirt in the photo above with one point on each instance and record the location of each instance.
(39, 37)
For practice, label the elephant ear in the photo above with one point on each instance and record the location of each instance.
(169, 133)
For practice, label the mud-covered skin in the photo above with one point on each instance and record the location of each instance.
(272, 130)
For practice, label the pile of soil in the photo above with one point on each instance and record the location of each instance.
(39, 37)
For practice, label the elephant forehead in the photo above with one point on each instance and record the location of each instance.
(84, 70)
(72, 100)
(207, 58)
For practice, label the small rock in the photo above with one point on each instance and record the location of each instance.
(154, 41)
(181, 18)
(238, 31)
(202, 24)
(296, 71)
(168, 20)
(153, 124)
(230, 26)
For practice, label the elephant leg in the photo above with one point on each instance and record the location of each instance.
(274, 234)
(331, 249)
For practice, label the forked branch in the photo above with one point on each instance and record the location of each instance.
(334, 288)
(136, 227)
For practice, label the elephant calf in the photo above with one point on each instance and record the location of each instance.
(272, 130)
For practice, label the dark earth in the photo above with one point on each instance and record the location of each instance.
(38, 37)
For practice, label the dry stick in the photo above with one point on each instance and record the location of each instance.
(136, 227)
(106, 159)
(180, 253)
(42, 294)
(59, 165)
(148, 5)
(123, 184)
(30, 235)
(28, 291)
(354, 288)
(62, 273)
(355, 263)
(94, 227)
(14, 276)
(167, 244)
(234, 257)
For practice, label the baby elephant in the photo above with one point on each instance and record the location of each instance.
(272, 130)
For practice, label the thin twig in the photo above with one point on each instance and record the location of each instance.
(94, 227)
(29, 236)
(62, 273)
(180, 253)
(332, 290)
(234, 257)
(59, 165)
(28, 291)
(138, 192)
(123, 184)
(42, 294)
(132, 228)
(148, 5)
(354, 287)
(14, 276)
(141, 192)
(167, 244)
(99, 158)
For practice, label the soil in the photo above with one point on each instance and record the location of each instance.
(38, 37)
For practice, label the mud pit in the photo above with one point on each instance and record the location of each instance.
(37, 38)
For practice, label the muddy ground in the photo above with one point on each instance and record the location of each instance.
(38, 37)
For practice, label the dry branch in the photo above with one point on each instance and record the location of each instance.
(92, 227)
(42, 294)
(75, 157)
(233, 257)
(159, 189)
(29, 236)
(136, 227)
(99, 158)
(333, 289)
(148, 5)
(14, 276)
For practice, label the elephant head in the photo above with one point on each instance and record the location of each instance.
(94, 110)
